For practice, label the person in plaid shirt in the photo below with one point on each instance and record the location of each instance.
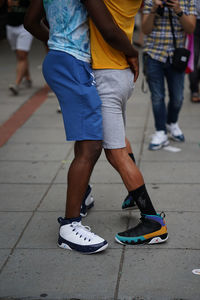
(158, 53)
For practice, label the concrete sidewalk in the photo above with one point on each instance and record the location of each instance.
(33, 168)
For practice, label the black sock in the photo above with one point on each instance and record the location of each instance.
(132, 157)
(143, 201)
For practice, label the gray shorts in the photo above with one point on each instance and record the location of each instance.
(115, 88)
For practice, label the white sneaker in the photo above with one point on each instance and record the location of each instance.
(159, 140)
(75, 236)
(14, 89)
(175, 132)
(59, 109)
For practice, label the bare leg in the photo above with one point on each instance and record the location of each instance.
(86, 155)
(129, 172)
(128, 146)
(27, 75)
(22, 66)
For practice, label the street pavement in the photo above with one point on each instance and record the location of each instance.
(33, 165)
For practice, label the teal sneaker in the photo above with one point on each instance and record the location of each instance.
(129, 203)
(151, 230)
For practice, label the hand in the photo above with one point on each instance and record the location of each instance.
(174, 4)
(157, 3)
(134, 66)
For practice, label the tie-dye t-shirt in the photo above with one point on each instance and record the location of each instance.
(69, 32)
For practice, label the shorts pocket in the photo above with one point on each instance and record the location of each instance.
(85, 74)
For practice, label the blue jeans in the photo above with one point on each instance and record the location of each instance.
(156, 73)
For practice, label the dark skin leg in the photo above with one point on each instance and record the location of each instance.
(86, 155)
(124, 165)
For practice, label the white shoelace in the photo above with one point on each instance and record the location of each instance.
(83, 231)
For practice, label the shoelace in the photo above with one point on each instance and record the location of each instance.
(83, 231)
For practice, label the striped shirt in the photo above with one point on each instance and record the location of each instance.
(159, 43)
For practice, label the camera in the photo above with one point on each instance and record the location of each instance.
(160, 10)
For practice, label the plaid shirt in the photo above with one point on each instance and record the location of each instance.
(198, 8)
(159, 43)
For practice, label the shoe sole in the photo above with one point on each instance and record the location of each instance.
(130, 208)
(155, 240)
(66, 247)
(160, 146)
(176, 139)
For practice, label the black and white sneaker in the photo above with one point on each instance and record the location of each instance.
(75, 236)
(88, 202)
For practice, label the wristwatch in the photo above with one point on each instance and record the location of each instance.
(180, 14)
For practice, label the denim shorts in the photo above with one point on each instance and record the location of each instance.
(72, 81)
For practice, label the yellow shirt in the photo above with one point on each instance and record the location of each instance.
(103, 55)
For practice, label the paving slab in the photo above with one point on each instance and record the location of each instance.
(36, 121)
(48, 109)
(171, 172)
(136, 109)
(175, 197)
(35, 152)
(21, 197)
(4, 254)
(7, 109)
(39, 135)
(12, 225)
(52, 274)
(160, 274)
(135, 135)
(189, 152)
(28, 172)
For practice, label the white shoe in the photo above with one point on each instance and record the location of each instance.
(159, 140)
(175, 132)
(14, 89)
(75, 236)
(59, 109)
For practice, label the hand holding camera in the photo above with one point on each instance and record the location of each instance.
(159, 6)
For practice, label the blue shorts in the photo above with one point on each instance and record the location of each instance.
(72, 81)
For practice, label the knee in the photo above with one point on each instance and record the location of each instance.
(158, 100)
(21, 55)
(115, 156)
(177, 102)
(95, 150)
(88, 151)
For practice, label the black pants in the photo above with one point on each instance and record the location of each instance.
(194, 77)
